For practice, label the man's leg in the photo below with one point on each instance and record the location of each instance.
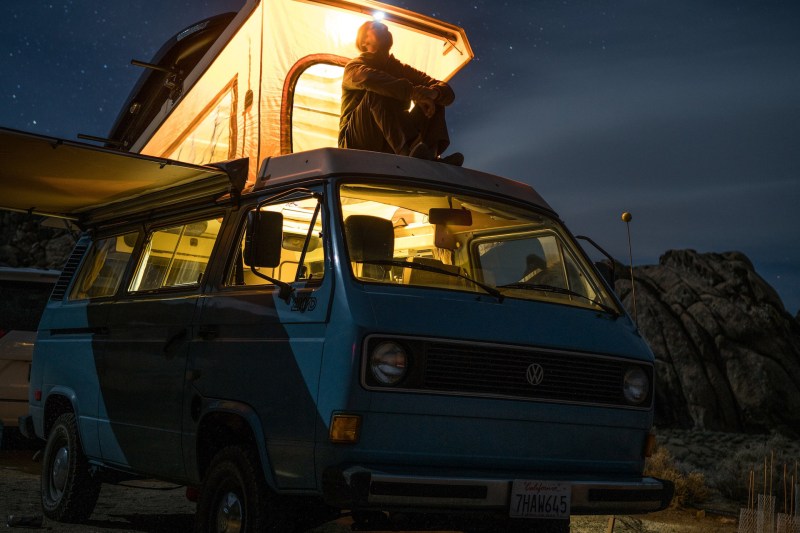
(433, 130)
(380, 124)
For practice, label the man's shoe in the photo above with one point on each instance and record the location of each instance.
(422, 151)
(456, 158)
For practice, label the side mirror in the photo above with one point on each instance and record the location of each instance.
(453, 217)
(262, 246)
(607, 271)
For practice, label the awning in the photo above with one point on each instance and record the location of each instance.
(54, 177)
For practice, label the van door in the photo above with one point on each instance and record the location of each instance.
(262, 353)
(143, 365)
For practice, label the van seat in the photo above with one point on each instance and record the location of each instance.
(412, 276)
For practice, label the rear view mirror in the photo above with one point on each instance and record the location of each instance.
(452, 217)
(262, 246)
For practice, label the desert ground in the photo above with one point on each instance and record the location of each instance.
(153, 506)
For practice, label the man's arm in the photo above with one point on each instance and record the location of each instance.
(360, 76)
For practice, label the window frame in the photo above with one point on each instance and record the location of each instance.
(281, 197)
(78, 276)
(151, 229)
(287, 95)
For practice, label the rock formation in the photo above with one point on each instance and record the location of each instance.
(727, 352)
(26, 241)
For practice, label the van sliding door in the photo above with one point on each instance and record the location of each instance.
(144, 362)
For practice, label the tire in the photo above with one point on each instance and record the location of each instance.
(69, 493)
(234, 497)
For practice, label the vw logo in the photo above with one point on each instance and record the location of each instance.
(535, 374)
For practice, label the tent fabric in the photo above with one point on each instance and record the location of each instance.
(230, 109)
(53, 177)
(232, 101)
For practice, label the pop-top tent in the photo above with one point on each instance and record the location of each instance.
(270, 84)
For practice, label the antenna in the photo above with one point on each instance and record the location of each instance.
(627, 217)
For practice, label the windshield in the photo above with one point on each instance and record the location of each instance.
(412, 236)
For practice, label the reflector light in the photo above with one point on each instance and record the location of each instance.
(345, 428)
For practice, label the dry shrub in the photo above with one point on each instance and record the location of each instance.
(690, 488)
(732, 474)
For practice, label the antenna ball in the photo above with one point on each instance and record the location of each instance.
(626, 217)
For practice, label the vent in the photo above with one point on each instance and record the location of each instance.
(60, 288)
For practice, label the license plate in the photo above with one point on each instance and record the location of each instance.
(539, 499)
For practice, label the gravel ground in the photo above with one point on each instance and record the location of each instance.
(151, 506)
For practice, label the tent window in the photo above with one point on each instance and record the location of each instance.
(212, 136)
(311, 119)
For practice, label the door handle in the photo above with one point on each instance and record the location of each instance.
(174, 340)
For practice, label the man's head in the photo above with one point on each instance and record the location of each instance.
(374, 37)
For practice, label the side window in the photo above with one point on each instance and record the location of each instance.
(176, 256)
(104, 266)
(310, 114)
(302, 249)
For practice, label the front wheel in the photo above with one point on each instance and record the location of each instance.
(69, 493)
(235, 498)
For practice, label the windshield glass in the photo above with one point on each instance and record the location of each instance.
(407, 235)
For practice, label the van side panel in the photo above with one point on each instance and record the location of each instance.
(66, 365)
(265, 352)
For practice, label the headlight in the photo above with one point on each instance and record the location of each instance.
(388, 363)
(635, 385)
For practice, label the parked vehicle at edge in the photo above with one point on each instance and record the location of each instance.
(23, 295)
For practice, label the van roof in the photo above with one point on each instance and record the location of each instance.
(361, 163)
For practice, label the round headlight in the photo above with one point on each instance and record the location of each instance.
(635, 386)
(388, 363)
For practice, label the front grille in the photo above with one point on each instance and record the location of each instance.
(509, 371)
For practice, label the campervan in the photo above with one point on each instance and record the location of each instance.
(303, 331)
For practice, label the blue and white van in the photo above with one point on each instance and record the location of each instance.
(419, 344)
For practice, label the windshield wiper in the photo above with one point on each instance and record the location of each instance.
(418, 266)
(559, 290)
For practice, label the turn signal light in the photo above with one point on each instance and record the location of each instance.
(649, 445)
(345, 428)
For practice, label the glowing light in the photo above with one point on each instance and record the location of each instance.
(378, 15)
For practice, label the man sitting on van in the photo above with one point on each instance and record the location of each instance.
(377, 91)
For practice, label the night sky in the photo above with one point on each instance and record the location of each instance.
(684, 112)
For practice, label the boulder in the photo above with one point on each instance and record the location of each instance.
(727, 352)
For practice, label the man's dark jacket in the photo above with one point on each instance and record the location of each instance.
(387, 76)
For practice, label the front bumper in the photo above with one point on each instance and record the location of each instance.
(361, 488)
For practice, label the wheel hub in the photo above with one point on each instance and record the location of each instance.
(59, 471)
(230, 514)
